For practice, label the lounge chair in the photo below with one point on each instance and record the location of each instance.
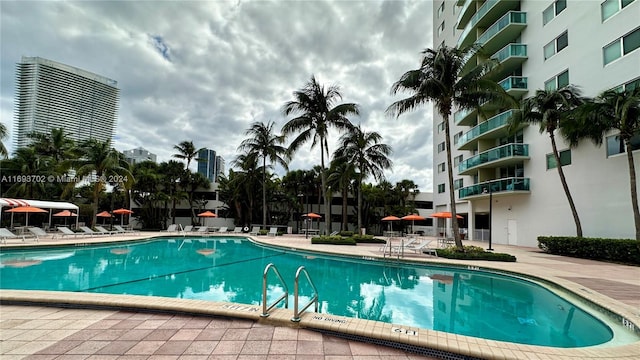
(38, 233)
(255, 231)
(188, 228)
(7, 234)
(123, 230)
(90, 232)
(172, 228)
(334, 233)
(423, 247)
(202, 230)
(404, 246)
(273, 231)
(103, 231)
(222, 230)
(66, 231)
(237, 230)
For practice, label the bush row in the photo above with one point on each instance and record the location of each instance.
(333, 240)
(626, 251)
(474, 253)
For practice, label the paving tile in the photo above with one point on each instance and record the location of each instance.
(309, 347)
(283, 347)
(336, 348)
(201, 348)
(285, 333)
(186, 334)
(117, 347)
(135, 334)
(236, 334)
(227, 348)
(172, 347)
(60, 347)
(145, 348)
(260, 333)
(256, 347)
(109, 334)
(211, 334)
(161, 334)
(358, 349)
(88, 347)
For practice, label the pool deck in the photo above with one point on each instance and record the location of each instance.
(238, 332)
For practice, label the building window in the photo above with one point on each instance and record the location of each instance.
(553, 10)
(458, 184)
(440, 29)
(440, 188)
(441, 168)
(621, 46)
(457, 160)
(611, 7)
(616, 146)
(456, 137)
(565, 159)
(557, 82)
(440, 127)
(441, 10)
(441, 147)
(556, 45)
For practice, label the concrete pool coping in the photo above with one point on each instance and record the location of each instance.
(613, 287)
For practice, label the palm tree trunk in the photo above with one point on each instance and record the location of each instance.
(634, 189)
(345, 193)
(563, 180)
(452, 195)
(324, 184)
(264, 192)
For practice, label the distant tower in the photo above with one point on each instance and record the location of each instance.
(219, 167)
(138, 155)
(51, 95)
(207, 164)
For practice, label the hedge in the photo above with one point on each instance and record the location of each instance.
(474, 253)
(333, 240)
(626, 251)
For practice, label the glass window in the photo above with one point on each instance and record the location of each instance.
(612, 51)
(632, 85)
(563, 79)
(608, 8)
(556, 45)
(440, 28)
(440, 127)
(440, 167)
(458, 183)
(615, 146)
(457, 160)
(559, 81)
(561, 5)
(440, 10)
(549, 50)
(553, 10)
(631, 41)
(456, 137)
(440, 188)
(441, 147)
(565, 159)
(562, 41)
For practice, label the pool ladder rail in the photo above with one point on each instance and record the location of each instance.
(296, 309)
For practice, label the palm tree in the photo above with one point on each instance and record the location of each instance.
(549, 109)
(318, 112)
(340, 177)
(3, 134)
(244, 184)
(364, 150)
(440, 79)
(611, 110)
(263, 143)
(26, 161)
(186, 151)
(102, 161)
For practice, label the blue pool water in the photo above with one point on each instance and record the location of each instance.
(473, 303)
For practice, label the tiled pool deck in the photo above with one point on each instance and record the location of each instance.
(238, 332)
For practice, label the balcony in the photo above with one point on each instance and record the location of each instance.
(504, 186)
(499, 156)
(515, 86)
(465, 117)
(493, 128)
(510, 57)
(465, 13)
(486, 15)
(503, 31)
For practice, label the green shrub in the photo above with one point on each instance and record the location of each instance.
(474, 253)
(346, 233)
(367, 239)
(626, 251)
(333, 240)
(263, 232)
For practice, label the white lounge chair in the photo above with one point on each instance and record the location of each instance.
(255, 231)
(38, 233)
(103, 231)
(123, 230)
(273, 231)
(90, 232)
(222, 230)
(7, 234)
(334, 233)
(171, 228)
(66, 231)
(188, 228)
(202, 230)
(423, 247)
(237, 230)
(404, 245)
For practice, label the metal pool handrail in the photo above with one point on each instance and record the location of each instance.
(314, 300)
(285, 296)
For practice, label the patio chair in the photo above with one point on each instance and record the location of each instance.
(255, 231)
(202, 230)
(125, 231)
(103, 231)
(334, 233)
(222, 230)
(89, 232)
(171, 228)
(404, 246)
(7, 234)
(273, 231)
(38, 232)
(237, 230)
(188, 228)
(66, 231)
(424, 248)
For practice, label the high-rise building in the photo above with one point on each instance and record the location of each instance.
(219, 167)
(52, 95)
(138, 155)
(540, 44)
(207, 164)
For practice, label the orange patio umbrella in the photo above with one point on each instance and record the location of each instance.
(65, 214)
(413, 218)
(122, 212)
(104, 214)
(207, 214)
(311, 216)
(391, 218)
(26, 210)
(444, 215)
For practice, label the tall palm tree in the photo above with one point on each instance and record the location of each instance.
(186, 151)
(3, 134)
(99, 159)
(317, 112)
(245, 186)
(611, 110)
(370, 157)
(263, 143)
(440, 80)
(549, 109)
(341, 175)
(25, 161)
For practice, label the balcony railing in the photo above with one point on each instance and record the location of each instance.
(493, 123)
(503, 185)
(512, 17)
(511, 50)
(514, 83)
(495, 154)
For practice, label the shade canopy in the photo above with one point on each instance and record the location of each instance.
(312, 215)
(27, 209)
(390, 218)
(444, 215)
(207, 214)
(122, 211)
(104, 214)
(413, 217)
(65, 213)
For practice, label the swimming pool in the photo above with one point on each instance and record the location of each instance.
(473, 303)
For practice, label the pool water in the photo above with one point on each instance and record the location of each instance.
(472, 303)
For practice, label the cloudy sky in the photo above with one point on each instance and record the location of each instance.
(205, 70)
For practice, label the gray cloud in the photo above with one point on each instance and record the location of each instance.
(203, 71)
